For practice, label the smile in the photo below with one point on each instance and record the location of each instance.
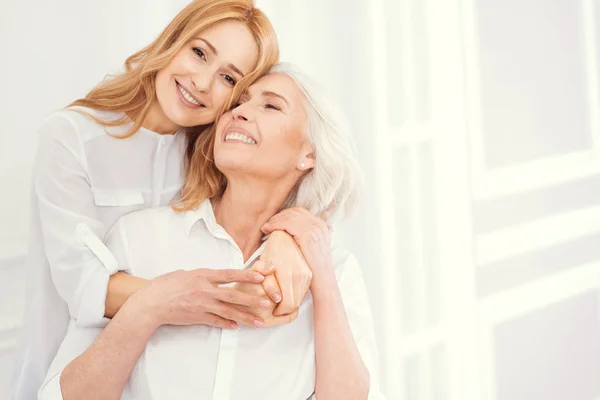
(240, 137)
(188, 97)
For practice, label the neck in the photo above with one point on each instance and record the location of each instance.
(246, 206)
(157, 121)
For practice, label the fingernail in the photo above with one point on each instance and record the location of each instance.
(265, 303)
(258, 278)
(258, 323)
(233, 325)
(270, 267)
(277, 297)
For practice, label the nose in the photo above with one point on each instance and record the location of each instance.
(202, 81)
(243, 112)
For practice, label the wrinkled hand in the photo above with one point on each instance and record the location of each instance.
(194, 297)
(311, 233)
(289, 284)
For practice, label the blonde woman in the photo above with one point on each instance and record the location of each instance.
(122, 148)
(283, 148)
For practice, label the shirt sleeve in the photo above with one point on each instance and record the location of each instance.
(79, 338)
(80, 263)
(358, 311)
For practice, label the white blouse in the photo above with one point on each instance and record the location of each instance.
(83, 181)
(203, 362)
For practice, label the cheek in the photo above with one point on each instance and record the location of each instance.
(220, 94)
(282, 148)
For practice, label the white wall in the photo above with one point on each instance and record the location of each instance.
(477, 123)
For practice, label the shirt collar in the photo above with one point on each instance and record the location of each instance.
(206, 213)
(203, 212)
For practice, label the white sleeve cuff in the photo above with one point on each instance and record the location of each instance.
(99, 249)
(93, 299)
(92, 293)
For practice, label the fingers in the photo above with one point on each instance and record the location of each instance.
(271, 287)
(301, 287)
(285, 279)
(234, 296)
(282, 320)
(235, 275)
(232, 313)
(263, 267)
(294, 221)
(220, 322)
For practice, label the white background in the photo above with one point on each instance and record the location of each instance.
(477, 124)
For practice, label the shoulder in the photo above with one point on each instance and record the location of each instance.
(75, 123)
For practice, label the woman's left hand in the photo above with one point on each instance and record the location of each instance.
(312, 235)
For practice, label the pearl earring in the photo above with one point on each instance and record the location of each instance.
(302, 165)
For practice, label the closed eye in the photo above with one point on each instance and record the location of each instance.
(272, 107)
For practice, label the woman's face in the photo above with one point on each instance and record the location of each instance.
(264, 135)
(198, 81)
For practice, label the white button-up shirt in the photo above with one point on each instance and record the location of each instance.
(203, 362)
(84, 180)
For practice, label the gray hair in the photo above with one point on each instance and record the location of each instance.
(334, 184)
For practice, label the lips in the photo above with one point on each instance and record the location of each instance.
(188, 98)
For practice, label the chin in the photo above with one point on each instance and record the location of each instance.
(186, 120)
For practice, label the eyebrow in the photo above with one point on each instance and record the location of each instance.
(210, 46)
(273, 94)
(214, 50)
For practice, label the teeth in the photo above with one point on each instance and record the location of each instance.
(239, 136)
(187, 96)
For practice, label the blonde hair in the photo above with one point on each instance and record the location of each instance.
(335, 182)
(133, 91)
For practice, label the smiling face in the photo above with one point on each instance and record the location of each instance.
(199, 79)
(264, 136)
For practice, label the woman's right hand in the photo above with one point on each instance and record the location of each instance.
(194, 297)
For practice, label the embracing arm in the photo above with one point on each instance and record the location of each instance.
(102, 371)
(176, 298)
(120, 287)
(71, 229)
(345, 346)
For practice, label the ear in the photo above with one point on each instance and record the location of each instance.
(306, 160)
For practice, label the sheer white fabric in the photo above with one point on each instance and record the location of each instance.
(84, 180)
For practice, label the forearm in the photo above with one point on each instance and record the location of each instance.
(101, 372)
(120, 287)
(341, 373)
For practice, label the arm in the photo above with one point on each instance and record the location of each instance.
(176, 298)
(69, 222)
(345, 345)
(344, 337)
(120, 287)
(106, 366)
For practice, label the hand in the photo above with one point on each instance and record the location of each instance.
(312, 235)
(289, 284)
(194, 297)
(256, 289)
